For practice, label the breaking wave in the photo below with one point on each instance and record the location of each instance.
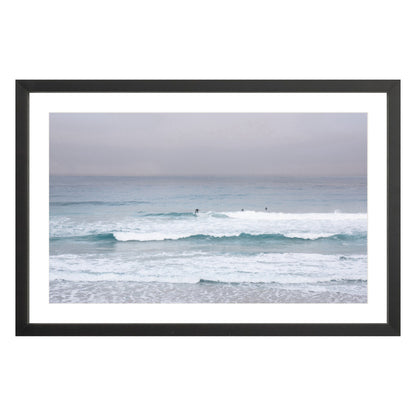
(144, 237)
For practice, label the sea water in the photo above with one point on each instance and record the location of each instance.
(208, 239)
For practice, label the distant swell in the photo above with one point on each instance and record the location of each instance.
(108, 203)
(172, 214)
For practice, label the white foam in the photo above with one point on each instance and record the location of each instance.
(310, 225)
(290, 268)
(273, 216)
(155, 236)
(309, 236)
(132, 236)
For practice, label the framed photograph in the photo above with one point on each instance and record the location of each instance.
(208, 207)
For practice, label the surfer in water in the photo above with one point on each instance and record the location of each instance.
(196, 211)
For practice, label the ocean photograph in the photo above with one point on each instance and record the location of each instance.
(208, 208)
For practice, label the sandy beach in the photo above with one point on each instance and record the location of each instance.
(61, 291)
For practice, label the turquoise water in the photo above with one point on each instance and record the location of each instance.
(113, 235)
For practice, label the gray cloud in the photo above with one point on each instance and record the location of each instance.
(208, 144)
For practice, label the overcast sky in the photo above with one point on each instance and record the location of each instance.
(208, 144)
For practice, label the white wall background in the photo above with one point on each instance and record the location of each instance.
(216, 39)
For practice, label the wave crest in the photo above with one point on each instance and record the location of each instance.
(156, 236)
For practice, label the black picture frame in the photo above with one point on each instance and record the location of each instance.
(24, 88)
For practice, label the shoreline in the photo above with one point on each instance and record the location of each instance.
(64, 291)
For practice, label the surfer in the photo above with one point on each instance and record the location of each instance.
(196, 211)
(265, 209)
(242, 209)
